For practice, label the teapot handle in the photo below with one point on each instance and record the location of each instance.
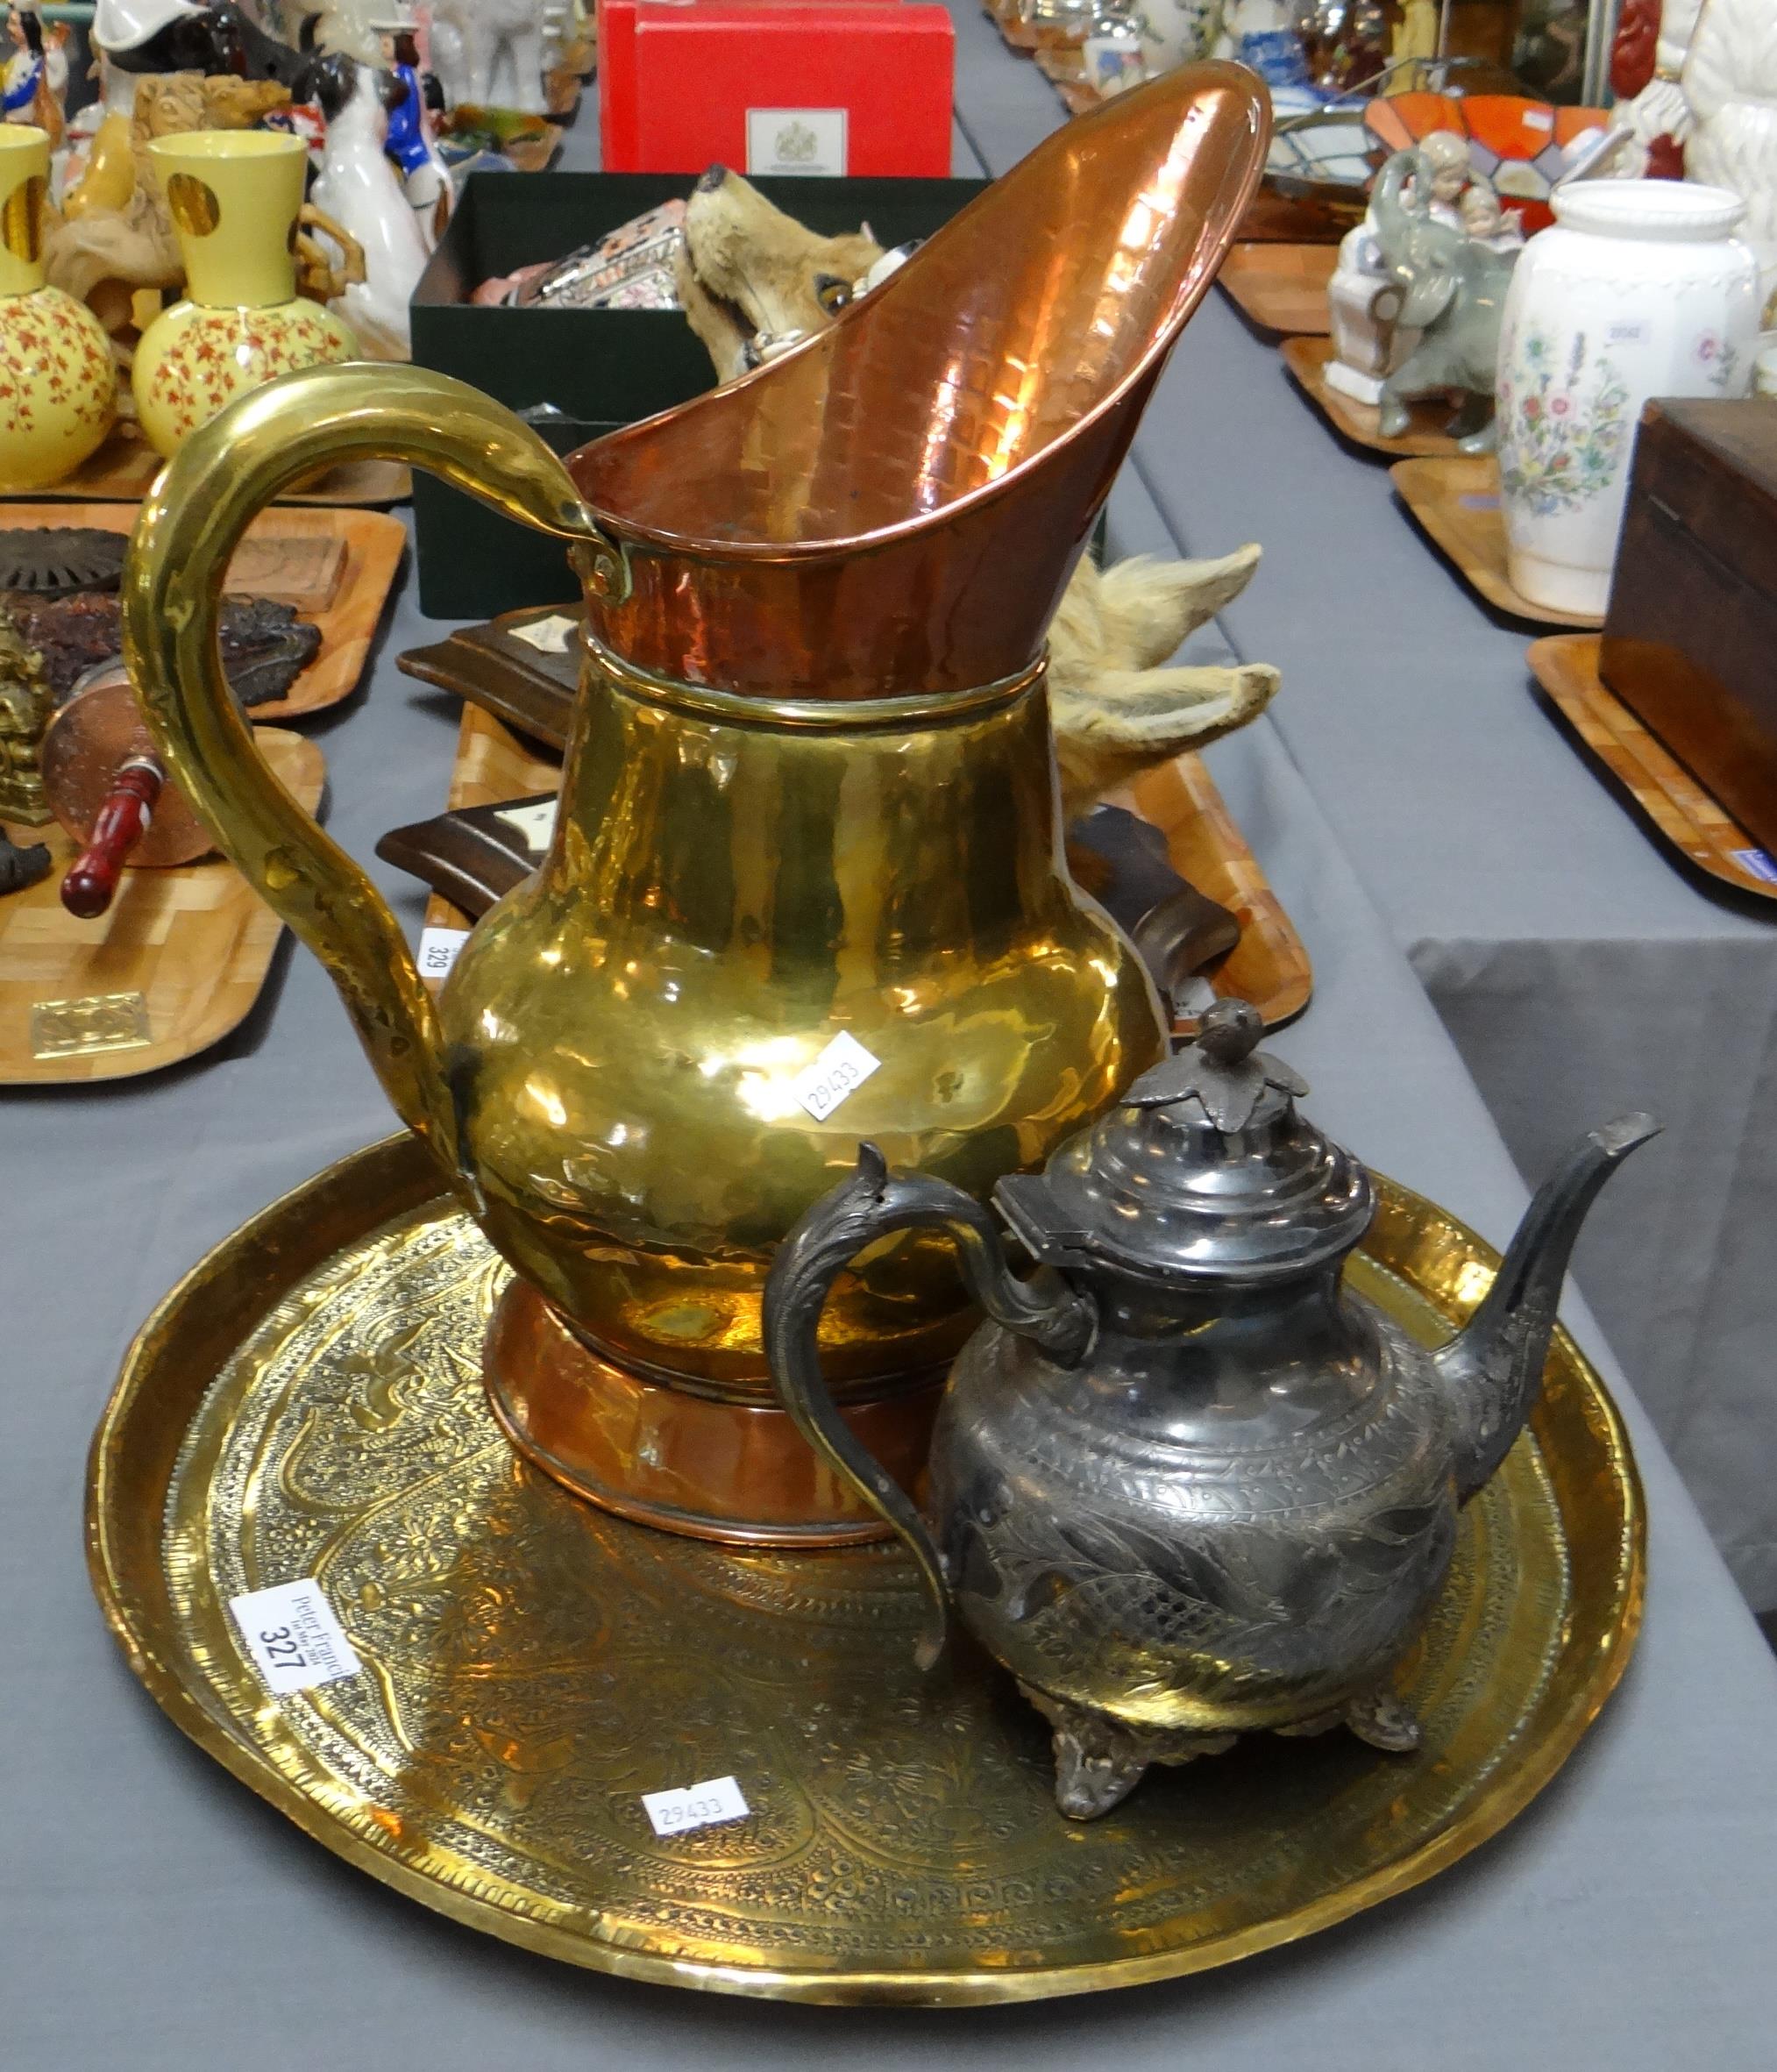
(870, 1205)
(190, 526)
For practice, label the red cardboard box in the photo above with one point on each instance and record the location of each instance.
(844, 87)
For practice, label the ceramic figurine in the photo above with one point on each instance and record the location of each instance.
(347, 28)
(1640, 289)
(1715, 92)
(1363, 306)
(100, 169)
(1175, 31)
(1262, 34)
(1637, 52)
(1453, 290)
(359, 187)
(236, 197)
(57, 399)
(411, 144)
(148, 36)
(35, 81)
(1365, 299)
(1188, 1484)
(478, 45)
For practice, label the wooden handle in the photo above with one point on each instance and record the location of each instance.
(91, 883)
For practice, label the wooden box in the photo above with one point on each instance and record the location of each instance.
(1690, 638)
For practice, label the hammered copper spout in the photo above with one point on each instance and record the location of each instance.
(897, 505)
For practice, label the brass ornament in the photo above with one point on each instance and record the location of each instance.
(194, 203)
(521, 1652)
(84, 1027)
(21, 219)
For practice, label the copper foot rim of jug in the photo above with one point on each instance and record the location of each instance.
(739, 1473)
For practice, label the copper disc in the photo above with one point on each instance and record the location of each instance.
(97, 732)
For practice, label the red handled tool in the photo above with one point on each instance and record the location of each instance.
(110, 793)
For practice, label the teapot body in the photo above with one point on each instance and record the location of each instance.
(1186, 1483)
(1234, 1514)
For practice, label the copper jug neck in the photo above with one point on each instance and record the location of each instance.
(897, 504)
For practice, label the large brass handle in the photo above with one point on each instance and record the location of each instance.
(185, 536)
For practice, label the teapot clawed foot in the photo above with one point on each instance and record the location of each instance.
(1099, 1760)
(1378, 1716)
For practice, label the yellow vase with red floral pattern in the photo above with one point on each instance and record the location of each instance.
(58, 383)
(235, 195)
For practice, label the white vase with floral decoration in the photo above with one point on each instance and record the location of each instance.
(1639, 289)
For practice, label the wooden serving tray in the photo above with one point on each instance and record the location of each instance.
(173, 968)
(124, 469)
(1281, 287)
(1269, 966)
(1306, 360)
(1660, 787)
(337, 567)
(1456, 503)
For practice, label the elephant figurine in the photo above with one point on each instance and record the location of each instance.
(1453, 282)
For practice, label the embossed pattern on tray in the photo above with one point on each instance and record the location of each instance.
(532, 1666)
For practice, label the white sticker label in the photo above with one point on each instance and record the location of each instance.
(548, 637)
(535, 824)
(294, 1638)
(1539, 119)
(438, 949)
(796, 140)
(835, 1075)
(698, 1806)
(1758, 861)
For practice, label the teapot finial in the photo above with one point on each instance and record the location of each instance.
(1230, 1031)
(1222, 1069)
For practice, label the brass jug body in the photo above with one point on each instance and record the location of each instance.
(731, 883)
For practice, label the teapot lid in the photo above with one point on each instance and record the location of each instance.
(1205, 1170)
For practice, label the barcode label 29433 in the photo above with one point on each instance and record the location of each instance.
(696, 1806)
(835, 1075)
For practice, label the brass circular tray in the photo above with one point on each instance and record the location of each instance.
(308, 1402)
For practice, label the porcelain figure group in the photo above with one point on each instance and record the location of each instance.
(1419, 290)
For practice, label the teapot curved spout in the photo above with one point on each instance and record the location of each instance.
(1493, 1368)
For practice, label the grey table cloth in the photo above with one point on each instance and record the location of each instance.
(154, 1914)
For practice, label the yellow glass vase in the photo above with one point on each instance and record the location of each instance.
(235, 195)
(58, 384)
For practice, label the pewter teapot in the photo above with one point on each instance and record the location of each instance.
(1186, 1483)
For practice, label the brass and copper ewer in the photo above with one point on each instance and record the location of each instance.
(809, 798)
